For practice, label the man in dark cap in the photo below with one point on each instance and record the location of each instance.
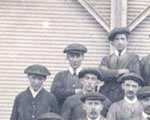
(129, 106)
(118, 63)
(50, 116)
(72, 108)
(144, 97)
(93, 105)
(35, 100)
(67, 83)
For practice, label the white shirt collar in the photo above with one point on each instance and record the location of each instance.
(130, 101)
(145, 115)
(122, 53)
(77, 71)
(34, 93)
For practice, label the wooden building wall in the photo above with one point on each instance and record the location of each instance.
(37, 31)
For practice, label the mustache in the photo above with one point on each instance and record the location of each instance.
(93, 112)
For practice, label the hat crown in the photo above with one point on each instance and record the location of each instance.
(37, 69)
(143, 92)
(91, 70)
(119, 30)
(75, 47)
(131, 76)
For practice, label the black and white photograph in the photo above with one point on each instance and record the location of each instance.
(74, 59)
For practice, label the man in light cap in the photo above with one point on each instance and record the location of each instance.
(50, 116)
(93, 105)
(67, 83)
(35, 100)
(129, 106)
(72, 108)
(144, 97)
(118, 63)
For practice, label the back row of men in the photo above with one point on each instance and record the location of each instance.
(113, 91)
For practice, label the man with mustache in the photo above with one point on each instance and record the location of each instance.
(129, 106)
(67, 83)
(144, 97)
(93, 105)
(118, 63)
(73, 108)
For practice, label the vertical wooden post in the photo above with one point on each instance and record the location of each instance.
(118, 15)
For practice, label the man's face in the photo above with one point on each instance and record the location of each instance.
(89, 82)
(75, 59)
(145, 102)
(93, 108)
(36, 81)
(130, 88)
(120, 42)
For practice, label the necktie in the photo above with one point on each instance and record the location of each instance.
(74, 73)
(119, 52)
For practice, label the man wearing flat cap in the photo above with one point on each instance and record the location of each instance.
(72, 108)
(35, 100)
(93, 105)
(118, 63)
(67, 83)
(144, 97)
(129, 106)
(50, 116)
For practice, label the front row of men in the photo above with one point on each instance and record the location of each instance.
(86, 94)
(35, 103)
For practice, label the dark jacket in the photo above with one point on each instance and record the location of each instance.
(113, 63)
(64, 85)
(145, 70)
(28, 108)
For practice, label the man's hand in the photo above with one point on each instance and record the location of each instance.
(123, 71)
(78, 90)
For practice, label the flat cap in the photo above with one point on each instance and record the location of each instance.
(90, 70)
(131, 76)
(115, 31)
(143, 92)
(93, 96)
(50, 116)
(75, 48)
(37, 69)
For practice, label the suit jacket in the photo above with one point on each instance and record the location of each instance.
(64, 85)
(73, 110)
(145, 70)
(122, 110)
(28, 108)
(113, 63)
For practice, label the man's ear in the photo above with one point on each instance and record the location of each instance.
(84, 106)
(122, 85)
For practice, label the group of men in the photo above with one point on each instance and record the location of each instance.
(118, 89)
